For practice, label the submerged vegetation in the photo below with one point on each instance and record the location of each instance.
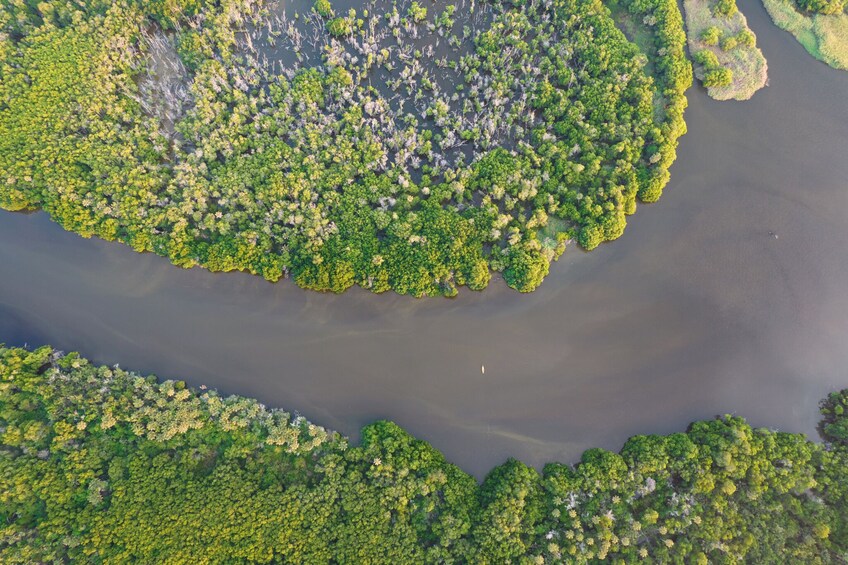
(727, 59)
(100, 465)
(821, 26)
(395, 145)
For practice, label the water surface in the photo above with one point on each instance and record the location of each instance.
(697, 310)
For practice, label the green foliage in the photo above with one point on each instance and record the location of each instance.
(417, 13)
(739, 69)
(105, 466)
(729, 43)
(711, 35)
(834, 425)
(673, 76)
(825, 37)
(714, 73)
(446, 19)
(95, 460)
(323, 8)
(527, 268)
(725, 8)
(65, 125)
(718, 77)
(826, 7)
(746, 38)
(167, 125)
(340, 26)
(590, 237)
(511, 506)
(706, 58)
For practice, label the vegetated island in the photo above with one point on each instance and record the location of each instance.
(821, 26)
(400, 145)
(727, 60)
(99, 465)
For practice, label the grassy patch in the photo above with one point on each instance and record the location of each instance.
(786, 17)
(553, 227)
(824, 37)
(832, 33)
(745, 61)
(641, 36)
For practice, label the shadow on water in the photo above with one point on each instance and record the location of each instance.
(696, 310)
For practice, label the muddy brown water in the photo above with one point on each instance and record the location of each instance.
(697, 310)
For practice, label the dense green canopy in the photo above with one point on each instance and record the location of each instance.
(104, 466)
(827, 7)
(392, 145)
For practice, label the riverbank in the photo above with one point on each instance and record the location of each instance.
(732, 45)
(825, 37)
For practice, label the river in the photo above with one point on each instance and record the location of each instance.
(697, 310)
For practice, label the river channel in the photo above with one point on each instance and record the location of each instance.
(726, 296)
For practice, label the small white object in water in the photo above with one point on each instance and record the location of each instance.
(483, 369)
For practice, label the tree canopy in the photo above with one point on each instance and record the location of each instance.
(392, 146)
(101, 465)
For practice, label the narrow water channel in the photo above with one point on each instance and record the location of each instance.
(697, 310)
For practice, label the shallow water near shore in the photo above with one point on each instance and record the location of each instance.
(697, 310)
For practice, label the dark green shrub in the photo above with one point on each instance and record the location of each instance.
(340, 27)
(711, 35)
(827, 7)
(729, 43)
(323, 8)
(718, 77)
(725, 8)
